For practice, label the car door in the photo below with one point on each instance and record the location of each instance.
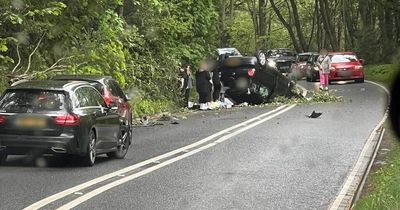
(106, 122)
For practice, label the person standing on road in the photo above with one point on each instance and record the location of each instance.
(187, 84)
(204, 86)
(216, 80)
(324, 64)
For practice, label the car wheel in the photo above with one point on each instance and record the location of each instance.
(3, 157)
(90, 156)
(262, 58)
(360, 80)
(123, 145)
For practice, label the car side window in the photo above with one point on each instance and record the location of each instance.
(115, 89)
(81, 100)
(94, 97)
(88, 97)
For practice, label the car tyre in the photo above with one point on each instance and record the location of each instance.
(360, 80)
(3, 157)
(123, 147)
(90, 157)
(262, 58)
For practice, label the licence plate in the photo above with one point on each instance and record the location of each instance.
(31, 122)
(285, 67)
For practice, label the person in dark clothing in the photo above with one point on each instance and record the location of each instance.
(217, 84)
(204, 87)
(187, 84)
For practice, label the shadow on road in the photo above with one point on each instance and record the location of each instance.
(49, 161)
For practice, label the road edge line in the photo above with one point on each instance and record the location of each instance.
(352, 183)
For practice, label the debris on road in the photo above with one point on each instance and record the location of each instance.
(314, 115)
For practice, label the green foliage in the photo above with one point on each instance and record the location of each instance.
(385, 73)
(315, 97)
(241, 33)
(148, 107)
(139, 42)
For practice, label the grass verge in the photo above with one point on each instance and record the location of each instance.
(384, 73)
(382, 190)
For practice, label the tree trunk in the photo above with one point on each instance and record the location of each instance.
(297, 25)
(287, 26)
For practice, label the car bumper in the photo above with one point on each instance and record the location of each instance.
(20, 145)
(346, 75)
(345, 78)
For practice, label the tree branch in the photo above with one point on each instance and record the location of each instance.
(32, 53)
(19, 60)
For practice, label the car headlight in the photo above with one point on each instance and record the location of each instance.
(358, 67)
(271, 63)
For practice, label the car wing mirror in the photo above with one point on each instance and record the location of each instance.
(362, 61)
(128, 98)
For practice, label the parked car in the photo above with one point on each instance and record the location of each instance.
(346, 66)
(281, 58)
(299, 67)
(312, 70)
(112, 93)
(249, 79)
(59, 117)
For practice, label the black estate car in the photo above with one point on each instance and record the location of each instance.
(59, 117)
(281, 58)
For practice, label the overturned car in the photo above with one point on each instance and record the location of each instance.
(250, 79)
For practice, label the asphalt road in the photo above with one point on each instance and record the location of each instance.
(286, 162)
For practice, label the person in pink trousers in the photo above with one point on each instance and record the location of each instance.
(324, 64)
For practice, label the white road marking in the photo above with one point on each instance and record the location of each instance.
(353, 173)
(60, 195)
(380, 85)
(116, 183)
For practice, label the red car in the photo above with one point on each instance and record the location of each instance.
(346, 66)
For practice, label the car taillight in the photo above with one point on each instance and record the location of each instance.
(67, 120)
(251, 72)
(358, 67)
(2, 119)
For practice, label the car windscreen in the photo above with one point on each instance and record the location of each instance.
(33, 101)
(303, 58)
(344, 58)
(280, 53)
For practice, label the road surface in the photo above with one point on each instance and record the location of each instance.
(281, 160)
